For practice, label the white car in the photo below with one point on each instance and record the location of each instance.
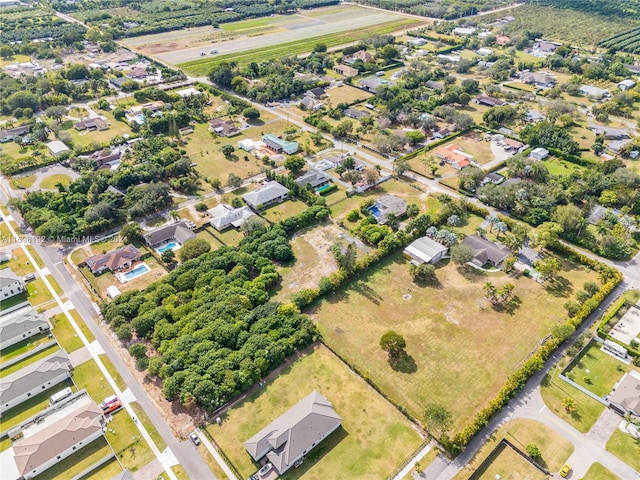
(264, 470)
(194, 438)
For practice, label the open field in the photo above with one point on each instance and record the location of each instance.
(598, 472)
(294, 42)
(596, 370)
(507, 463)
(439, 322)
(557, 166)
(65, 333)
(626, 448)
(124, 436)
(279, 211)
(521, 432)
(52, 180)
(346, 94)
(373, 439)
(554, 391)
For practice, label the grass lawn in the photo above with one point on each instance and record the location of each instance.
(81, 460)
(25, 181)
(36, 355)
(508, 464)
(554, 391)
(521, 432)
(278, 212)
(5, 443)
(85, 138)
(561, 167)
(14, 59)
(373, 440)
(230, 236)
(473, 143)
(31, 407)
(155, 436)
(439, 322)
(210, 239)
(113, 372)
(20, 264)
(35, 256)
(87, 375)
(107, 470)
(346, 94)
(596, 371)
(53, 180)
(83, 326)
(180, 472)
(37, 292)
(125, 439)
(626, 448)
(13, 301)
(598, 472)
(23, 347)
(65, 333)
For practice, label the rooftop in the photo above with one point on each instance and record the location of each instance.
(179, 230)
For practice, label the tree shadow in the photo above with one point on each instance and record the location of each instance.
(256, 122)
(509, 306)
(432, 283)
(470, 273)
(404, 363)
(366, 291)
(558, 287)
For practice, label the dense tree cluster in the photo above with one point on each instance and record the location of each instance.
(211, 328)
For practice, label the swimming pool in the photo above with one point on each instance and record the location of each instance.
(375, 211)
(168, 246)
(136, 272)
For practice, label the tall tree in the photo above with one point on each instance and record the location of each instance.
(393, 343)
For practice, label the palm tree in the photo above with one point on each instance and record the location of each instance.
(581, 224)
(569, 404)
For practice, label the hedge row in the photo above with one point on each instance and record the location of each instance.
(518, 379)
(584, 162)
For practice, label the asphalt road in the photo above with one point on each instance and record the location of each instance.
(184, 451)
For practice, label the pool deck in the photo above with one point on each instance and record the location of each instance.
(121, 276)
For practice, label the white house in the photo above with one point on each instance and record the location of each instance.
(626, 84)
(596, 93)
(224, 216)
(10, 284)
(57, 148)
(20, 325)
(539, 153)
(247, 144)
(33, 379)
(44, 444)
(425, 250)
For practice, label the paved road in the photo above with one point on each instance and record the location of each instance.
(183, 451)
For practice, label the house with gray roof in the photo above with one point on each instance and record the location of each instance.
(45, 443)
(355, 113)
(486, 251)
(388, 205)
(538, 78)
(20, 325)
(33, 379)
(425, 250)
(610, 133)
(313, 179)
(294, 434)
(270, 193)
(627, 84)
(371, 84)
(178, 232)
(224, 216)
(595, 93)
(10, 284)
(10, 134)
(625, 399)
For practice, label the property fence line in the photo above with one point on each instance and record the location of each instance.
(526, 457)
(409, 459)
(504, 443)
(574, 384)
(19, 358)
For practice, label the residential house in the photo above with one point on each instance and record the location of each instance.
(293, 435)
(363, 55)
(10, 284)
(20, 325)
(317, 93)
(539, 79)
(224, 128)
(270, 193)
(610, 133)
(615, 147)
(224, 216)
(489, 101)
(432, 84)
(534, 116)
(150, 107)
(486, 251)
(484, 52)
(418, 41)
(443, 132)
(627, 84)
(454, 156)
(46, 443)
(345, 70)
(247, 145)
(119, 259)
(371, 84)
(464, 31)
(625, 398)
(33, 379)
(502, 40)
(635, 69)
(539, 153)
(387, 206)
(595, 93)
(425, 250)
(279, 145)
(493, 177)
(543, 48)
(513, 146)
(355, 113)
(314, 179)
(10, 134)
(176, 232)
(188, 92)
(91, 124)
(310, 103)
(119, 81)
(447, 58)
(57, 148)
(185, 130)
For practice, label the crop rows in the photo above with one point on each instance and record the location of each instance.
(628, 41)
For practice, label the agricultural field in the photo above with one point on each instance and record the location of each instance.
(628, 41)
(439, 321)
(373, 439)
(565, 25)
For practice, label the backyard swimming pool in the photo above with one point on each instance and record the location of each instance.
(375, 211)
(136, 272)
(168, 246)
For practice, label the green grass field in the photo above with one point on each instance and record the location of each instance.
(87, 375)
(155, 436)
(23, 347)
(561, 167)
(204, 66)
(626, 448)
(598, 472)
(52, 181)
(125, 439)
(457, 344)
(65, 333)
(36, 355)
(373, 440)
(596, 371)
(554, 391)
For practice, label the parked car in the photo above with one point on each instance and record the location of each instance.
(264, 470)
(194, 438)
(565, 471)
(29, 277)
